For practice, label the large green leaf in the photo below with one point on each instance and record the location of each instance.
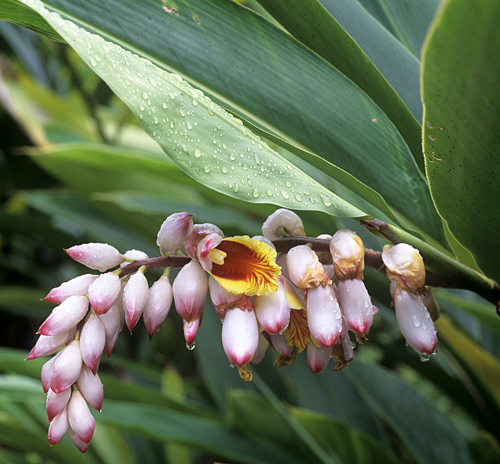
(229, 33)
(461, 71)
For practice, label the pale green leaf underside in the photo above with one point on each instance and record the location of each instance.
(208, 143)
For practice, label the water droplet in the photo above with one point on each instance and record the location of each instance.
(424, 358)
(206, 168)
(288, 183)
(190, 347)
(326, 200)
(429, 125)
(182, 112)
(232, 156)
(171, 95)
(284, 194)
(298, 197)
(416, 321)
(164, 105)
(155, 120)
(145, 95)
(255, 193)
(431, 137)
(224, 170)
(189, 125)
(197, 153)
(269, 192)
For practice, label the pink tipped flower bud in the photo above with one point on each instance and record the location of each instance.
(261, 349)
(318, 357)
(158, 305)
(67, 367)
(77, 441)
(279, 343)
(323, 315)
(304, 268)
(92, 341)
(356, 305)
(48, 344)
(65, 316)
(190, 291)
(91, 388)
(58, 427)
(405, 265)
(135, 295)
(79, 417)
(222, 299)
(199, 231)
(104, 291)
(134, 255)
(174, 231)
(414, 321)
(112, 322)
(77, 286)
(240, 335)
(281, 222)
(273, 310)
(190, 330)
(99, 256)
(56, 402)
(47, 370)
(348, 253)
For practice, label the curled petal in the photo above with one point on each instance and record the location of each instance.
(282, 221)
(77, 286)
(405, 265)
(48, 344)
(318, 358)
(304, 268)
(204, 251)
(323, 315)
(91, 388)
(245, 266)
(348, 255)
(198, 233)
(174, 231)
(240, 336)
(79, 417)
(65, 316)
(356, 305)
(56, 402)
(58, 427)
(415, 322)
(104, 291)
(99, 256)
(92, 341)
(135, 295)
(158, 305)
(67, 367)
(273, 311)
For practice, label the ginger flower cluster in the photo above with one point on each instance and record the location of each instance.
(293, 300)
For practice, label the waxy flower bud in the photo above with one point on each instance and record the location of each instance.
(65, 316)
(56, 402)
(99, 256)
(318, 357)
(414, 321)
(282, 221)
(47, 370)
(67, 367)
(158, 305)
(174, 231)
(323, 315)
(112, 322)
(304, 268)
(348, 255)
(279, 343)
(261, 350)
(240, 335)
(91, 388)
(49, 344)
(356, 306)
(58, 427)
(405, 265)
(134, 255)
(104, 291)
(190, 291)
(273, 310)
(222, 299)
(77, 286)
(135, 295)
(79, 417)
(92, 341)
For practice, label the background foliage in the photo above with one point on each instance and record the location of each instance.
(330, 94)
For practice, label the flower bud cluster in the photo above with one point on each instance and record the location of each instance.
(295, 300)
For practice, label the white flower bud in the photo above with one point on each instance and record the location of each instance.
(135, 295)
(100, 256)
(67, 367)
(79, 417)
(285, 219)
(77, 286)
(318, 357)
(273, 310)
(92, 341)
(174, 231)
(48, 344)
(65, 316)
(58, 427)
(56, 402)
(91, 388)
(304, 268)
(158, 305)
(104, 291)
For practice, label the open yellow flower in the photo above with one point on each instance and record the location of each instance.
(240, 264)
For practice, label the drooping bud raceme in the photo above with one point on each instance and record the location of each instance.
(273, 310)
(190, 291)
(174, 231)
(79, 286)
(158, 305)
(405, 265)
(304, 268)
(99, 256)
(414, 321)
(135, 295)
(104, 291)
(406, 270)
(65, 316)
(348, 259)
(240, 334)
(283, 222)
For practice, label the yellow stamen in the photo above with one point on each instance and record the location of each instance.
(245, 374)
(217, 256)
